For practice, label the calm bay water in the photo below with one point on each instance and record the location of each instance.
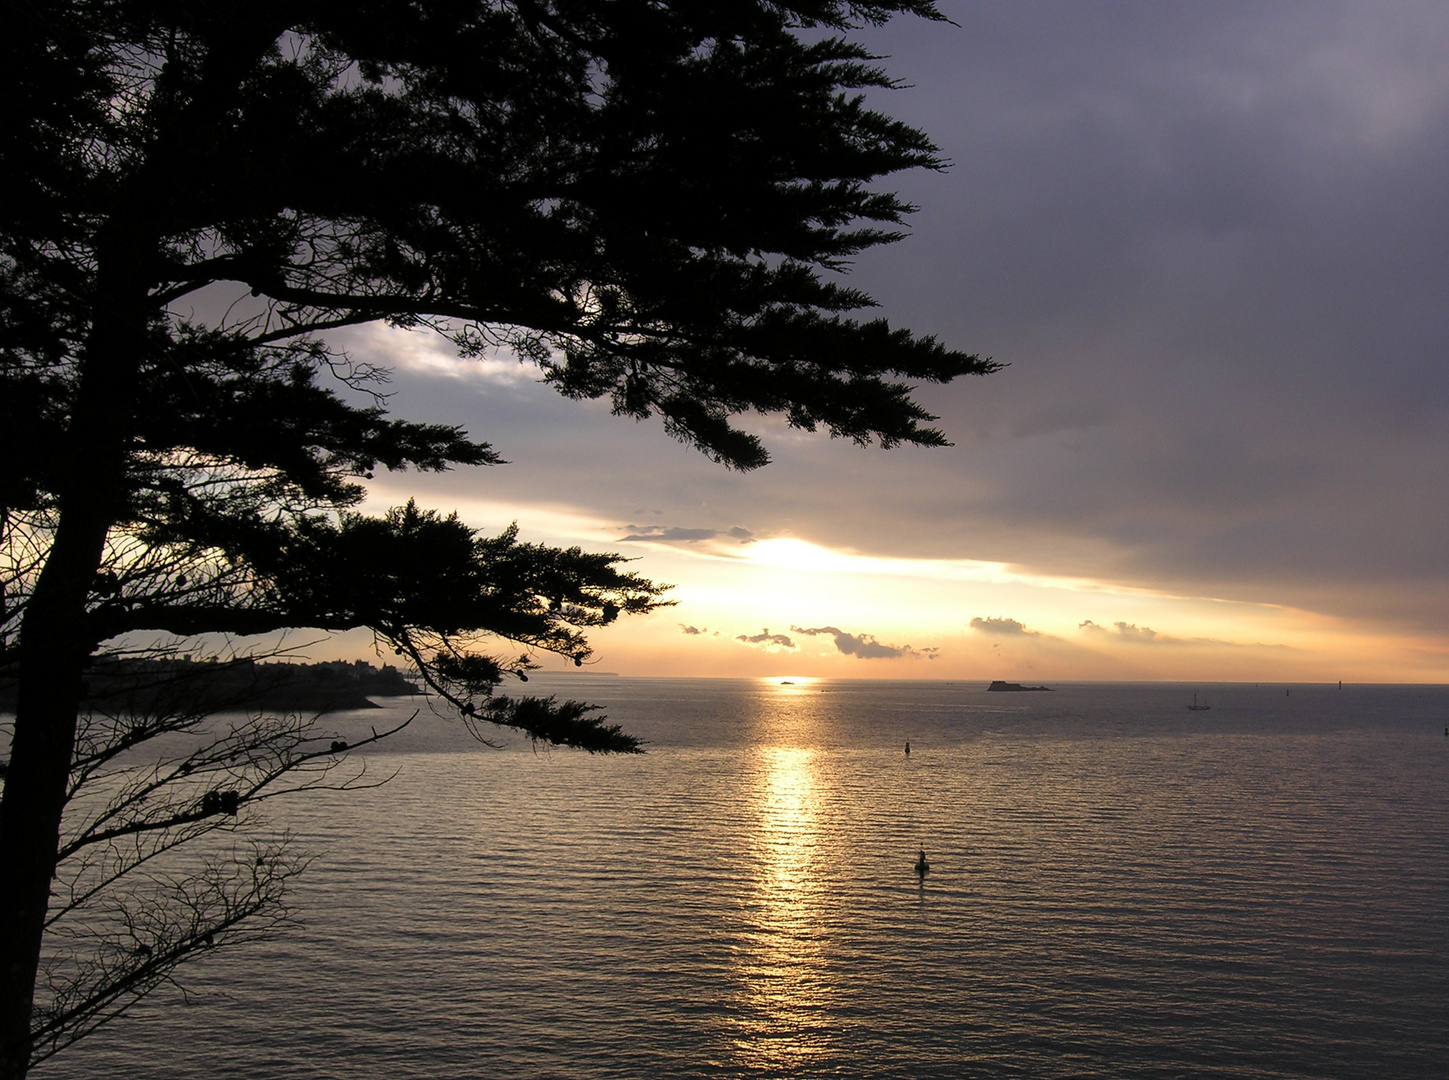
(1118, 888)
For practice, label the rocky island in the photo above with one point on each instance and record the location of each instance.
(999, 685)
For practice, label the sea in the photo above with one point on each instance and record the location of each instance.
(1118, 887)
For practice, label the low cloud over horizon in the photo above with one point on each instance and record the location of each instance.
(1124, 631)
(1002, 627)
(764, 637)
(865, 646)
(1132, 634)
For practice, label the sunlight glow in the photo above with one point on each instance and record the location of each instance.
(800, 556)
(788, 684)
(845, 614)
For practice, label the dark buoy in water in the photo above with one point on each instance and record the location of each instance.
(908, 748)
(922, 867)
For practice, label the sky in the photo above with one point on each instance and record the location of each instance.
(1211, 243)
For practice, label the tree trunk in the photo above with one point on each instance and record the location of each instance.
(56, 639)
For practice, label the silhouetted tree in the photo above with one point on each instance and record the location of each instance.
(637, 197)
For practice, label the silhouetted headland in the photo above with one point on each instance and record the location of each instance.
(143, 685)
(999, 685)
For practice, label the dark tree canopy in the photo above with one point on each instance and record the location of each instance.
(639, 198)
(645, 200)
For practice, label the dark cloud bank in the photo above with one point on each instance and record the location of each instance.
(1209, 240)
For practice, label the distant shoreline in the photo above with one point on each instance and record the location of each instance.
(133, 686)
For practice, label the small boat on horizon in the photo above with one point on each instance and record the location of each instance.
(1195, 707)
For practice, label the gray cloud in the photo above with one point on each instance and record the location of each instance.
(1131, 633)
(675, 535)
(692, 630)
(1002, 627)
(764, 637)
(1144, 635)
(866, 647)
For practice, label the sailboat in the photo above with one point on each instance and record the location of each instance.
(1195, 707)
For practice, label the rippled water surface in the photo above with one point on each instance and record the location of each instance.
(1118, 888)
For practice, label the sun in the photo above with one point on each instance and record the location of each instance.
(789, 682)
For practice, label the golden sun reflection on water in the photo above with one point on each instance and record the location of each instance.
(782, 1002)
(787, 826)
